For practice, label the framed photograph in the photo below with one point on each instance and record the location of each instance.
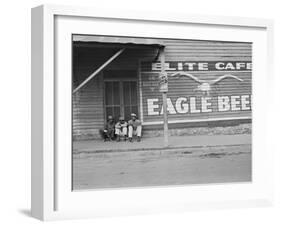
(136, 112)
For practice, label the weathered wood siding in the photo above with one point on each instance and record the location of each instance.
(198, 51)
(88, 102)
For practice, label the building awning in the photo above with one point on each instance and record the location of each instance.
(118, 40)
(122, 42)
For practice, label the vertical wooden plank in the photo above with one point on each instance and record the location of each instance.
(165, 118)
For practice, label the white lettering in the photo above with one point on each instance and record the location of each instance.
(157, 67)
(182, 105)
(223, 103)
(193, 105)
(180, 66)
(219, 66)
(240, 65)
(185, 105)
(170, 107)
(249, 66)
(229, 66)
(245, 101)
(234, 103)
(190, 66)
(205, 102)
(203, 66)
(152, 106)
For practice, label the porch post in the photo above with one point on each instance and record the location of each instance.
(164, 90)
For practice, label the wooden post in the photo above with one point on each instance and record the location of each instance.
(164, 98)
(165, 115)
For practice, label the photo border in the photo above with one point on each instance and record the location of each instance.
(44, 161)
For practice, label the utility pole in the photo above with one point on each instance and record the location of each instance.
(164, 89)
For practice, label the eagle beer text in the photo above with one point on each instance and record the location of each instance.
(205, 104)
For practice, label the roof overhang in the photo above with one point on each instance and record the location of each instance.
(118, 40)
(121, 42)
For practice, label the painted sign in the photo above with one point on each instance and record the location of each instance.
(199, 66)
(198, 90)
(206, 85)
(193, 105)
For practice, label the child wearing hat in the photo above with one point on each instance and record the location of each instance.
(121, 128)
(134, 127)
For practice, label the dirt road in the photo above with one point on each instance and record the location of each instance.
(164, 167)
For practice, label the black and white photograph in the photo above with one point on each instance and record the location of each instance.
(160, 112)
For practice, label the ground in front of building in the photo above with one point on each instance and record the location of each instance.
(188, 160)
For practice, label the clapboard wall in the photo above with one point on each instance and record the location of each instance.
(199, 51)
(88, 102)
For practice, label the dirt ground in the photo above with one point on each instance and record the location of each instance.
(190, 165)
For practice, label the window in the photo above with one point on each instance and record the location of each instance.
(120, 94)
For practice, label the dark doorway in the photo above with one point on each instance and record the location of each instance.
(120, 89)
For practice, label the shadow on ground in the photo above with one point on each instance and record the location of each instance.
(25, 212)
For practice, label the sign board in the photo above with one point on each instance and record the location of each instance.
(163, 82)
(199, 66)
(199, 105)
(197, 89)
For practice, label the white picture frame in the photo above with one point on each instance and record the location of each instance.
(52, 197)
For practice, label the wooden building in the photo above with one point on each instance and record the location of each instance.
(209, 82)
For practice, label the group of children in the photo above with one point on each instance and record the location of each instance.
(122, 129)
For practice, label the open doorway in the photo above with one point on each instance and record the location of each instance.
(121, 96)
